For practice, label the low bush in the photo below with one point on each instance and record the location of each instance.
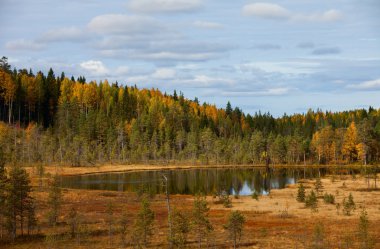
(329, 198)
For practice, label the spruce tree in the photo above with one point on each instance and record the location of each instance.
(301, 193)
(234, 225)
(311, 201)
(144, 223)
(181, 228)
(318, 186)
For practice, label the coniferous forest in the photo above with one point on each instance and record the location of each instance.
(189, 124)
(55, 119)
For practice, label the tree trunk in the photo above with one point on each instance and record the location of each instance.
(304, 159)
(199, 239)
(234, 241)
(10, 111)
(169, 212)
(1, 227)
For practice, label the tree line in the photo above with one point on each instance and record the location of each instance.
(55, 119)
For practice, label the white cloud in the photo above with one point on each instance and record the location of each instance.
(122, 70)
(23, 44)
(95, 68)
(278, 12)
(266, 10)
(266, 92)
(163, 51)
(327, 16)
(64, 34)
(164, 6)
(138, 79)
(175, 56)
(286, 67)
(207, 81)
(207, 25)
(123, 24)
(164, 73)
(366, 85)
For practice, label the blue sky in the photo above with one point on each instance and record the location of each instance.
(281, 56)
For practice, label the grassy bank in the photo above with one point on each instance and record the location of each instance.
(114, 168)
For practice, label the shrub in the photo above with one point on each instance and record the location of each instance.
(227, 202)
(348, 205)
(284, 214)
(255, 196)
(224, 198)
(365, 238)
(318, 185)
(329, 198)
(301, 193)
(337, 206)
(311, 201)
(319, 237)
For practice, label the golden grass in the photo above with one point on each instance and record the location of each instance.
(265, 226)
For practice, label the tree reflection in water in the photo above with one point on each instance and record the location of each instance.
(242, 181)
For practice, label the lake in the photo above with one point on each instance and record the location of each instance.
(242, 181)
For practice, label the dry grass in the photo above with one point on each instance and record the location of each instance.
(265, 226)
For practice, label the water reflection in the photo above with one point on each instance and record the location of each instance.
(242, 181)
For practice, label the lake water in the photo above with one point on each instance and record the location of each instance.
(243, 181)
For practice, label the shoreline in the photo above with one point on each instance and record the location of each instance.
(117, 168)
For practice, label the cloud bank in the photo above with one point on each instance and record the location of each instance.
(278, 12)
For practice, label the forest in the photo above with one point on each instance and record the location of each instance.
(50, 119)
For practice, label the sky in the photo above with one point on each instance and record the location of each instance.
(281, 56)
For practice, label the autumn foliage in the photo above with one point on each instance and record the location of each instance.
(55, 119)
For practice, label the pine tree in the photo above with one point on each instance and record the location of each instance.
(201, 223)
(54, 201)
(311, 201)
(234, 225)
(144, 223)
(124, 222)
(31, 217)
(348, 205)
(318, 185)
(181, 228)
(18, 200)
(4, 65)
(365, 239)
(110, 220)
(73, 221)
(319, 236)
(301, 193)
(3, 191)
